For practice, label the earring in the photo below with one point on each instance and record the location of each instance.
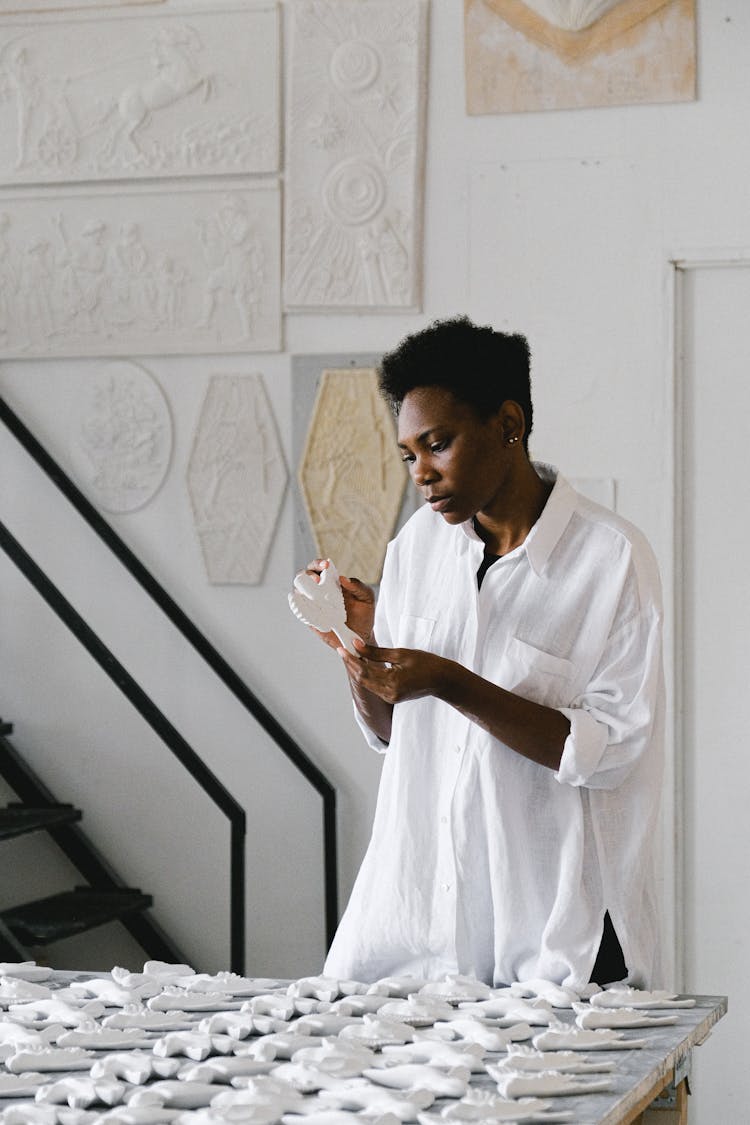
(512, 440)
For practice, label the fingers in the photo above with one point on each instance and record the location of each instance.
(377, 655)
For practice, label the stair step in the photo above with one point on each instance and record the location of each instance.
(71, 912)
(17, 819)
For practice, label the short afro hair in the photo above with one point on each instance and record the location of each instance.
(480, 366)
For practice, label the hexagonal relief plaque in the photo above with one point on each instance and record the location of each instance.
(350, 476)
(236, 479)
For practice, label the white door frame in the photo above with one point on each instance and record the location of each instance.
(677, 266)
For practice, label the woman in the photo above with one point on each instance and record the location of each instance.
(511, 673)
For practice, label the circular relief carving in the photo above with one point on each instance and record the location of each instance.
(354, 192)
(121, 440)
(354, 66)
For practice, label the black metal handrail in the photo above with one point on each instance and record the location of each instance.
(202, 646)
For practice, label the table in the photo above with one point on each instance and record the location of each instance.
(640, 1076)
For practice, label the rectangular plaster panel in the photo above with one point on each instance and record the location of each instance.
(307, 373)
(568, 54)
(31, 7)
(355, 138)
(130, 94)
(142, 271)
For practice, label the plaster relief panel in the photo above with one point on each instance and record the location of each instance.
(149, 270)
(23, 7)
(236, 479)
(355, 141)
(132, 95)
(567, 54)
(351, 476)
(121, 440)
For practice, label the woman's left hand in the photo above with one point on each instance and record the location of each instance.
(396, 674)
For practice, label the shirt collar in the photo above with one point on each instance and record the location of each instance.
(544, 535)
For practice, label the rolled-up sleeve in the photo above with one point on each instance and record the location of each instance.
(612, 721)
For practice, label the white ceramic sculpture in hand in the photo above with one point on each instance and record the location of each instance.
(321, 604)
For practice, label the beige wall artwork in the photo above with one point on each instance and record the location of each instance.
(351, 478)
(355, 137)
(567, 54)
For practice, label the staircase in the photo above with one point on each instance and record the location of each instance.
(105, 898)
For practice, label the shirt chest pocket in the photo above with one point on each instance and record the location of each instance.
(414, 632)
(537, 675)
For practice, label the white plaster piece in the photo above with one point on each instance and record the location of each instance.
(322, 987)
(309, 1079)
(358, 1005)
(165, 971)
(135, 1066)
(279, 1005)
(496, 1007)
(487, 1105)
(53, 1010)
(134, 96)
(189, 268)
(228, 1068)
(435, 1052)
(49, 1058)
(137, 1115)
(25, 970)
(104, 1038)
(337, 1117)
(236, 479)
(284, 1043)
(491, 1038)
(523, 1058)
(339, 1057)
(120, 447)
(373, 1099)
(355, 132)
(264, 1092)
(579, 1039)
(175, 1094)
(135, 1017)
(230, 983)
(30, 1115)
(376, 1032)
(324, 1023)
(14, 990)
(14, 1036)
(321, 605)
(621, 997)
(452, 1083)
(554, 994)
(20, 1085)
(419, 1011)
(173, 999)
(618, 1017)
(239, 1025)
(350, 476)
(396, 986)
(537, 1012)
(456, 988)
(192, 1044)
(549, 1083)
(81, 1092)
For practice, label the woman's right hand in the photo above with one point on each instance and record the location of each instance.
(359, 601)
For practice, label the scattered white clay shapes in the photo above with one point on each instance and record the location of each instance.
(136, 1017)
(177, 1094)
(327, 1024)
(283, 1043)
(321, 605)
(104, 1039)
(358, 1005)
(280, 1007)
(396, 986)
(491, 1038)
(14, 990)
(419, 1011)
(21, 1085)
(177, 999)
(488, 1106)
(554, 994)
(373, 1099)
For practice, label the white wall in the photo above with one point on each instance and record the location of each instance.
(558, 224)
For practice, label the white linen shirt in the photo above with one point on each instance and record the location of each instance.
(481, 861)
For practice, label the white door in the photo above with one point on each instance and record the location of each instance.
(715, 650)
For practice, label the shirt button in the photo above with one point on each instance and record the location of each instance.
(446, 886)
(458, 749)
(443, 819)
